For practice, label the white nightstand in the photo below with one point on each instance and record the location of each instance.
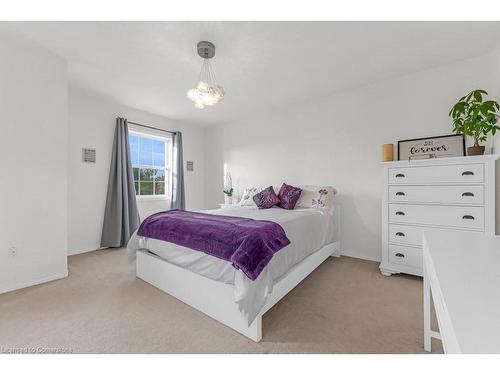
(227, 205)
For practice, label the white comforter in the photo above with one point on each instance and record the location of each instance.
(307, 229)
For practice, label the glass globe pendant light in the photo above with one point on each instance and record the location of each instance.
(206, 91)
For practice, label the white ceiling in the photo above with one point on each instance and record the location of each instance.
(151, 65)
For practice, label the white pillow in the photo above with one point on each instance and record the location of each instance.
(317, 197)
(247, 197)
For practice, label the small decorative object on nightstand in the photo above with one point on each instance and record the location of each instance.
(229, 190)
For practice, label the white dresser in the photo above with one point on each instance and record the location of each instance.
(448, 193)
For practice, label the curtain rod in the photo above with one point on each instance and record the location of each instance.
(150, 127)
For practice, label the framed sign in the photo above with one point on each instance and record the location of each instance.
(445, 146)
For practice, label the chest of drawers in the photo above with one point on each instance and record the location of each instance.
(453, 194)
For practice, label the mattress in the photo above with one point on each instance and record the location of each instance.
(307, 229)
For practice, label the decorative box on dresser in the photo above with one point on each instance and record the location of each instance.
(446, 193)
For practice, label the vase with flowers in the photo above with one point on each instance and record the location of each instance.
(229, 190)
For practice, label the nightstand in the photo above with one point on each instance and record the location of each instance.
(227, 205)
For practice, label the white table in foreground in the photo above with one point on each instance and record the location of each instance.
(463, 272)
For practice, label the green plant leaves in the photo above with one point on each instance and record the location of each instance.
(475, 118)
(229, 192)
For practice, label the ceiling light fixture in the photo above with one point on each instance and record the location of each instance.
(206, 92)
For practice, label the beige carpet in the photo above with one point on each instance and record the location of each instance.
(345, 306)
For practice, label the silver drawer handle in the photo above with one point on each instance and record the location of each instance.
(468, 173)
(400, 193)
(400, 175)
(399, 255)
(400, 213)
(467, 194)
(468, 217)
(400, 234)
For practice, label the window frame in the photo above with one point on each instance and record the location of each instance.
(168, 141)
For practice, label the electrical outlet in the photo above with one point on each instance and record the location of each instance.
(12, 251)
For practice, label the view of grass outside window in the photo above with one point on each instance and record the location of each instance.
(150, 162)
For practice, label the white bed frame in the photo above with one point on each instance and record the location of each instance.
(216, 299)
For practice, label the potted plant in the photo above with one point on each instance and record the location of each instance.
(229, 190)
(475, 118)
(229, 194)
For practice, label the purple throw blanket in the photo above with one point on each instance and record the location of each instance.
(248, 244)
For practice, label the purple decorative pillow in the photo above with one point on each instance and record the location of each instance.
(288, 196)
(266, 198)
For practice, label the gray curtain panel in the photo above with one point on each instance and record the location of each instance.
(121, 217)
(178, 196)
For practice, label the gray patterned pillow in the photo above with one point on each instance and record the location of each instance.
(247, 197)
(317, 197)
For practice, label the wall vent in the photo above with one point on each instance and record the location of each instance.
(190, 166)
(88, 155)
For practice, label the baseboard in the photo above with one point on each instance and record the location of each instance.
(36, 281)
(76, 252)
(359, 255)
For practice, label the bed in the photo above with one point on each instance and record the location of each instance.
(215, 287)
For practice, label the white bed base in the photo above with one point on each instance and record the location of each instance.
(216, 299)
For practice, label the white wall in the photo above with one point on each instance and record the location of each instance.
(337, 141)
(495, 64)
(92, 123)
(495, 87)
(33, 149)
(215, 150)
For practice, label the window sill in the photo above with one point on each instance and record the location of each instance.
(152, 198)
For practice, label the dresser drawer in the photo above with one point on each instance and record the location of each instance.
(451, 216)
(440, 174)
(405, 234)
(461, 194)
(407, 256)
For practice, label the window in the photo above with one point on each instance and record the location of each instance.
(151, 162)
